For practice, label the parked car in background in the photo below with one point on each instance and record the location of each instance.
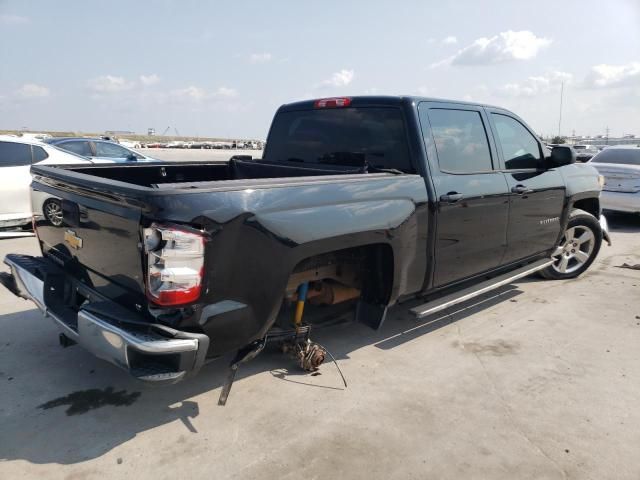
(584, 153)
(129, 143)
(16, 157)
(176, 144)
(620, 166)
(99, 150)
(154, 145)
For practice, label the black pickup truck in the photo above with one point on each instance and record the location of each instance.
(357, 204)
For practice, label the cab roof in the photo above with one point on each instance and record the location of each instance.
(379, 100)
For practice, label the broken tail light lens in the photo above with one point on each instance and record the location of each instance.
(175, 264)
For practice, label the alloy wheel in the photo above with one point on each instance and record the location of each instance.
(53, 212)
(574, 250)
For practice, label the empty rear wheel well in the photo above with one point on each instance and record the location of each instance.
(368, 268)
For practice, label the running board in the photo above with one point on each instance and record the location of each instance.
(468, 293)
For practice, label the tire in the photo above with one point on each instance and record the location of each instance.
(52, 209)
(574, 257)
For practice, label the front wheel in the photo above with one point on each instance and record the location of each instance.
(578, 248)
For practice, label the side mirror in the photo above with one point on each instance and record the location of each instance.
(562, 155)
(132, 158)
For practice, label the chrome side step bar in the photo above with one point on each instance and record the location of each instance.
(476, 290)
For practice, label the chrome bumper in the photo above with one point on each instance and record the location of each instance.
(150, 352)
(604, 226)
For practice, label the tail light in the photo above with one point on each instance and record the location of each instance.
(336, 102)
(175, 264)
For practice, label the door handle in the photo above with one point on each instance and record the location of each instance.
(451, 197)
(521, 189)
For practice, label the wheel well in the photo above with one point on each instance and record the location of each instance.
(368, 268)
(590, 205)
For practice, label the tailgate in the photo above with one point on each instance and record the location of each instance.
(95, 234)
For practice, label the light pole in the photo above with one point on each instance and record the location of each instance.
(560, 115)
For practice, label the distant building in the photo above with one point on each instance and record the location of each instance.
(118, 132)
(151, 131)
(627, 139)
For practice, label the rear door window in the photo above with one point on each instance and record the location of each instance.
(81, 147)
(14, 154)
(111, 150)
(461, 140)
(354, 136)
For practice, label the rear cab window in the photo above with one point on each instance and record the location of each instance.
(354, 136)
(13, 154)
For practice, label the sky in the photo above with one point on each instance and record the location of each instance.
(221, 68)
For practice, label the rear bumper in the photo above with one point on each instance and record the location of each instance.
(150, 352)
(7, 221)
(620, 201)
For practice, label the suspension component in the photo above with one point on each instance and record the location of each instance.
(303, 289)
(310, 355)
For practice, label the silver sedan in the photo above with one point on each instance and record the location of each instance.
(620, 166)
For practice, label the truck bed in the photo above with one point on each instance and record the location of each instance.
(168, 175)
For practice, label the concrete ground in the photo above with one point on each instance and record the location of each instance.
(537, 381)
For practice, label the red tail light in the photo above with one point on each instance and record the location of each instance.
(175, 264)
(336, 102)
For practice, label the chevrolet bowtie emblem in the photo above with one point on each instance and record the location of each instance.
(72, 239)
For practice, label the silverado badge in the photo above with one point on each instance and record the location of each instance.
(72, 239)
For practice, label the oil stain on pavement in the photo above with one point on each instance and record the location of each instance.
(497, 348)
(84, 400)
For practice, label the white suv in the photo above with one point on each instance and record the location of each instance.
(16, 157)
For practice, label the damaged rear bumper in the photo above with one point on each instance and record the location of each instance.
(151, 352)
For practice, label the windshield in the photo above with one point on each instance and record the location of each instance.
(341, 136)
(624, 156)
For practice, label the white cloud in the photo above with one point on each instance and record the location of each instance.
(537, 85)
(192, 92)
(450, 40)
(604, 75)
(226, 92)
(110, 84)
(339, 79)
(148, 80)
(31, 90)
(199, 94)
(505, 47)
(423, 91)
(8, 19)
(260, 57)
